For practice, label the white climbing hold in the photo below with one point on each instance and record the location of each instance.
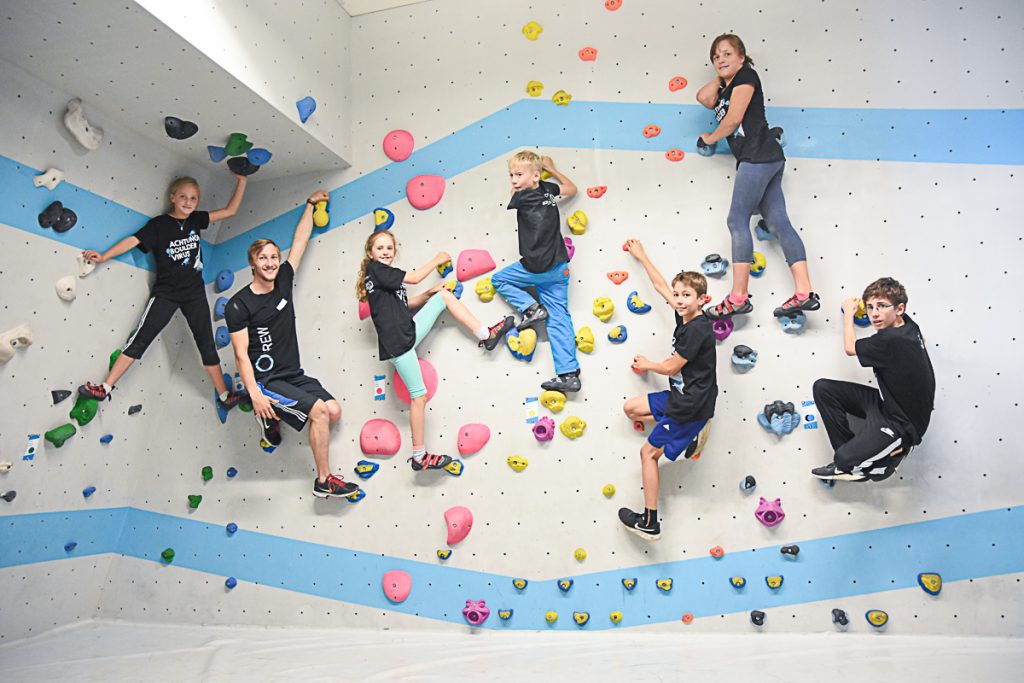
(67, 288)
(85, 266)
(13, 339)
(50, 178)
(88, 135)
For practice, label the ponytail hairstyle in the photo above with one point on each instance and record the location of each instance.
(737, 45)
(370, 241)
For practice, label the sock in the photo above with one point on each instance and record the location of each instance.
(419, 453)
(650, 517)
(738, 300)
(482, 333)
(803, 295)
(107, 388)
(224, 395)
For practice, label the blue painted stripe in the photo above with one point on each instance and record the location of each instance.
(963, 547)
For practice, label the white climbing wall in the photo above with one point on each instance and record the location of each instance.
(948, 231)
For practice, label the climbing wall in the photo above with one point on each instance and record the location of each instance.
(901, 162)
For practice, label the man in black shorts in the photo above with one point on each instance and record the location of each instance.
(261, 320)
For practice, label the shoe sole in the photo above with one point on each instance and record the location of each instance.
(527, 325)
(840, 476)
(792, 312)
(327, 494)
(642, 534)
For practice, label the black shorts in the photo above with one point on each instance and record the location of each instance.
(296, 395)
(158, 313)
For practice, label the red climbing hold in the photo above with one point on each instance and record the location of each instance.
(675, 154)
(588, 54)
(612, 5)
(652, 131)
(677, 83)
(597, 191)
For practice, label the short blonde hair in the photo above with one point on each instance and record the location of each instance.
(527, 158)
(257, 246)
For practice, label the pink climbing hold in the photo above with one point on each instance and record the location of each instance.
(380, 437)
(460, 521)
(771, 513)
(398, 145)
(473, 437)
(364, 310)
(424, 191)
(544, 429)
(429, 380)
(570, 248)
(473, 262)
(396, 584)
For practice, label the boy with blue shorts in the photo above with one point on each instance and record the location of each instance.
(682, 414)
(543, 263)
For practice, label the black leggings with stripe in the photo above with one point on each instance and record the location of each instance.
(158, 313)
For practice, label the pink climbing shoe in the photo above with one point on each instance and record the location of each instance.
(727, 309)
(430, 462)
(497, 332)
(794, 305)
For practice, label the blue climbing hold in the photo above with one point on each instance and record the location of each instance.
(793, 322)
(714, 265)
(635, 304)
(564, 585)
(744, 357)
(69, 546)
(217, 154)
(259, 155)
(779, 418)
(748, 484)
(219, 307)
(629, 584)
(225, 279)
(356, 497)
(366, 469)
(106, 438)
(762, 231)
(88, 491)
(232, 472)
(306, 107)
(383, 219)
(231, 582)
(231, 527)
(223, 338)
(704, 149)
(618, 334)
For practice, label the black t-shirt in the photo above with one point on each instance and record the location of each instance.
(751, 141)
(540, 237)
(270, 318)
(694, 389)
(904, 373)
(176, 245)
(389, 308)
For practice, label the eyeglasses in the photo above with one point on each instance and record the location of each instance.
(877, 307)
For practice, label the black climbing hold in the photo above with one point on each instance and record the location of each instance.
(137, 408)
(242, 166)
(9, 496)
(713, 258)
(742, 351)
(66, 221)
(757, 617)
(59, 395)
(179, 129)
(51, 215)
(748, 484)
(839, 617)
(791, 550)
(778, 408)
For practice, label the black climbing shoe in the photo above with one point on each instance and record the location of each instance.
(96, 391)
(636, 522)
(567, 383)
(430, 462)
(534, 314)
(333, 487)
(497, 333)
(793, 305)
(728, 309)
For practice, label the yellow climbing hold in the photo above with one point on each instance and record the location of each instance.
(615, 616)
(561, 98)
(877, 618)
(580, 554)
(532, 30)
(585, 340)
(577, 222)
(608, 490)
(518, 463)
(534, 89)
(551, 617)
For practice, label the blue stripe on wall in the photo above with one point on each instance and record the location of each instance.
(963, 547)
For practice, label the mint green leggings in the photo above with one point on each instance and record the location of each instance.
(408, 364)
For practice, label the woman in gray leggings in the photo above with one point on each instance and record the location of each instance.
(738, 100)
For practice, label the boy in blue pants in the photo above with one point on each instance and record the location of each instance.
(543, 263)
(683, 412)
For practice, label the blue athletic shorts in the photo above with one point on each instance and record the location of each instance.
(667, 433)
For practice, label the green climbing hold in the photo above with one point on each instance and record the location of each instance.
(246, 407)
(237, 144)
(167, 555)
(113, 358)
(207, 473)
(194, 501)
(58, 435)
(84, 410)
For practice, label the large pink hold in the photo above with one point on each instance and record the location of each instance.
(380, 437)
(459, 520)
(473, 437)
(396, 584)
(424, 191)
(364, 310)
(473, 262)
(398, 145)
(429, 380)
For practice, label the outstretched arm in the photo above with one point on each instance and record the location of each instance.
(122, 247)
(566, 188)
(660, 285)
(300, 240)
(260, 403)
(420, 274)
(236, 200)
(738, 104)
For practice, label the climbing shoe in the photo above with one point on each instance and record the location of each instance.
(534, 314)
(270, 430)
(829, 472)
(727, 309)
(497, 332)
(333, 487)
(96, 391)
(638, 524)
(233, 399)
(566, 383)
(430, 462)
(793, 305)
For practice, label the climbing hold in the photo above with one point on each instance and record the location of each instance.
(603, 308)
(585, 340)
(839, 618)
(459, 521)
(544, 429)
(194, 501)
(364, 313)
(88, 491)
(306, 107)
(618, 276)
(581, 618)
(58, 435)
(629, 584)
(774, 582)
(770, 514)
(520, 584)
(794, 322)
(454, 468)
(5, 466)
(67, 288)
(10, 496)
(635, 304)
(232, 473)
(425, 191)
(551, 617)
(444, 554)
(505, 614)
(167, 555)
(675, 154)
(652, 131)
(758, 265)
(230, 582)
(320, 215)
(225, 279)
(398, 145)
(137, 408)
(50, 178)
(860, 317)
(30, 447)
(577, 222)
(383, 219)
(572, 427)
(356, 497)
(534, 88)
(523, 344)
(737, 582)
(676, 83)
(219, 307)
(207, 473)
(618, 334)
(570, 248)
(516, 462)
(580, 554)
(58, 217)
(608, 490)
(762, 232)
(429, 379)
(532, 30)
(717, 552)
(69, 546)
(242, 166)
(237, 144)
(179, 129)
(564, 585)
(553, 400)
(85, 266)
(664, 585)
(114, 355)
(612, 5)
(443, 269)
(472, 263)
(704, 149)
(561, 98)
(597, 191)
(722, 328)
(877, 618)
(473, 437)
(779, 135)
(744, 357)
(615, 616)
(217, 154)
(85, 133)
(222, 337)
(757, 617)
(588, 54)
(259, 156)
(396, 584)
(59, 395)
(687, 617)
(484, 289)
(365, 469)
(790, 551)
(714, 265)
(930, 582)
(231, 528)
(379, 437)
(779, 418)
(455, 287)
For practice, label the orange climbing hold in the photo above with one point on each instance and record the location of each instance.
(717, 552)
(612, 5)
(618, 276)
(588, 54)
(652, 131)
(597, 191)
(687, 617)
(677, 83)
(675, 154)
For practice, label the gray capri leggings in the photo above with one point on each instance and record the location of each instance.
(761, 185)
